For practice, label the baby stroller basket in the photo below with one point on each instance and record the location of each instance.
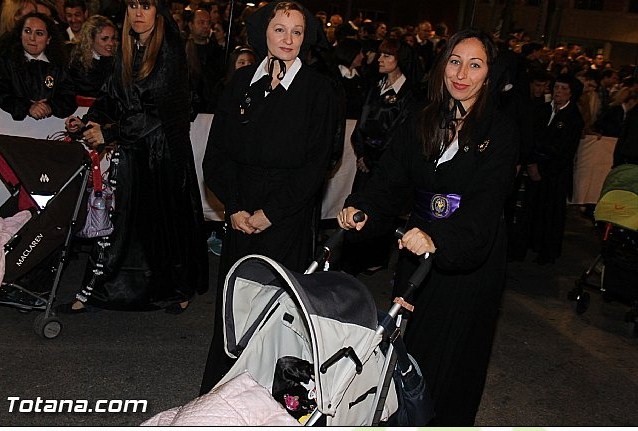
(270, 312)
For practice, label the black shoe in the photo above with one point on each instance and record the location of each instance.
(68, 309)
(176, 308)
(15, 297)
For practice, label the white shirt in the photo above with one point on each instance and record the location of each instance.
(42, 57)
(396, 86)
(449, 152)
(262, 70)
(554, 110)
(70, 33)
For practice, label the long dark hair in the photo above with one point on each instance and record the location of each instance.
(153, 45)
(54, 51)
(437, 122)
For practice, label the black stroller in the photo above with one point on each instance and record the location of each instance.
(616, 215)
(49, 179)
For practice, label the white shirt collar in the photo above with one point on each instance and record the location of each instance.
(70, 33)
(396, 86)
(348, 73)
(41, 57)
(262, 70)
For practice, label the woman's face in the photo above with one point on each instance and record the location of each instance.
(284, 34)
(105, 41)
(35, 36)
(243, 60)
(141, 15)
(387, 63)
(466, 71)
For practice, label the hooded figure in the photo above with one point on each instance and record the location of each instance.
(156, 256)
(268, 152)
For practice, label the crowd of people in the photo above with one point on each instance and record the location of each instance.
(447, 129)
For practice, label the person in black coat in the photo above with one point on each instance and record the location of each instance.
(268, 152)
(558, 128)
(386, 107)
(457, 159)
(156, 257)
(33, 79)
(92, 58)
(626, 150)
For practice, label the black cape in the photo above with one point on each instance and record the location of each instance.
(157, 254)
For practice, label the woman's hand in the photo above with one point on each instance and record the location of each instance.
(259, 221)
(361, 165)
(345, 218)
(40, 109)
(533, 172)
(417, 241)
(93, 135)
(73, 124)
(239, 221)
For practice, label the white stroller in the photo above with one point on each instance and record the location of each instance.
(328, 321)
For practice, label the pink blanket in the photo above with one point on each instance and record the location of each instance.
(8, 227)
(241, 401)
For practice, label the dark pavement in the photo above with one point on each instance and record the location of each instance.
(550, 366)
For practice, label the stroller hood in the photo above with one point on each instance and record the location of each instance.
(618, 203)
(274, 312)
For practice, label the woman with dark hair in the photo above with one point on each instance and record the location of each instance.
(241, 56)
(268, 152)
(33, 79)
(349, 57)
(92, 58)
(457, 160)
(156, 256)
(386, 107)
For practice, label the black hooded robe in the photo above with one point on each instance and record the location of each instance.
(157, 254)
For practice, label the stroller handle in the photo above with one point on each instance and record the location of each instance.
(417, 277)
(323, 255)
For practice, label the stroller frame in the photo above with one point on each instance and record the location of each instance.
(348, 361)
(46, 324)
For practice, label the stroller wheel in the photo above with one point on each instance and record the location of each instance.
(582, 302)
(573, 294)
(48, 328)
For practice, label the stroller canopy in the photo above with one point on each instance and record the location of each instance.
(270, 312)
(618, 203)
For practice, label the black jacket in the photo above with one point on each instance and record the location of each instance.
(22, 82)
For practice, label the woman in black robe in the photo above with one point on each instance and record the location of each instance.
(557, 131)
(33, 79)
(386, 107)
(268, 152)
(156, 256)
(457, 158)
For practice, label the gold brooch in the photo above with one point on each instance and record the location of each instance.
(48, 81)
